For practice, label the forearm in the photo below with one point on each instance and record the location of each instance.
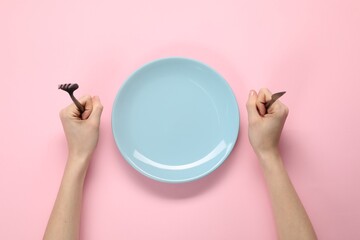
(64, 220)
(290, 216)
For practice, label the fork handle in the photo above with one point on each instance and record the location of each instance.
(77, 103)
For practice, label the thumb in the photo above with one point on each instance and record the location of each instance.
(97, 109)
(86, 101)
(251, 106)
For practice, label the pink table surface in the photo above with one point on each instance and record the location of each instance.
(309, 48)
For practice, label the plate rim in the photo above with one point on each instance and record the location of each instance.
(183, 180)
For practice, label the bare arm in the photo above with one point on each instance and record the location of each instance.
(265, 128)
(82, 135)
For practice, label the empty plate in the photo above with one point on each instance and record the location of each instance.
(175, 120)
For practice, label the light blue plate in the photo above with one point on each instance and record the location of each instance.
(175, 120)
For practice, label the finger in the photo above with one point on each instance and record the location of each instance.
(87, 102)
(263, 97)
(279, 109)
(251, 106)
(97, 109)
(71, 111)
(275, 107)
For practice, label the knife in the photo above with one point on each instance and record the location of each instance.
(274, 97)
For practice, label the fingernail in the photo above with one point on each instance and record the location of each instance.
(252, 92)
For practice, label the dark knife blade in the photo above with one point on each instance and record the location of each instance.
(274, 97)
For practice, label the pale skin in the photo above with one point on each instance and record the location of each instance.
(265, 127)
(82, 133)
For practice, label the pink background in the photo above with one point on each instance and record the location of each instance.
(309, 48)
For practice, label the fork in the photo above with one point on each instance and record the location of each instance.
(70, 88)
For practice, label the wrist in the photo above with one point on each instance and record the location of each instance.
(79, 154)
(77, 165)
(270, 160)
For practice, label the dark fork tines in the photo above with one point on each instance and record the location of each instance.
(68, 86)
